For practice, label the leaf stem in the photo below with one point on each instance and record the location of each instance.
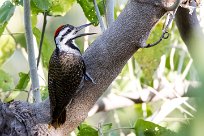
(31, 54)
(99, 16)
(109, 12)
(42, 37)
(11, 34)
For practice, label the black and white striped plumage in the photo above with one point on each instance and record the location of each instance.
(66, 73)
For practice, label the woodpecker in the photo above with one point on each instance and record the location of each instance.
(66, 72)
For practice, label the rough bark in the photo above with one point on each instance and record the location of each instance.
(105, 59)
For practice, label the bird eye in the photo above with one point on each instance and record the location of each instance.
(69, 30)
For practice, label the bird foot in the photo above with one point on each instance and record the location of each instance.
(89, 78)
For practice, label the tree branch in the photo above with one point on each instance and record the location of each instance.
(192, 35)
(168, 5)
(188, 27)
(31, 54)
(114, 101)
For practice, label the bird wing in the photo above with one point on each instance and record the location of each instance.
(52, 88)
(65, 75)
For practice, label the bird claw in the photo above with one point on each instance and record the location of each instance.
(89, 78)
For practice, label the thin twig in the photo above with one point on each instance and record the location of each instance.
(165, 33)
(11, 34)
(109, 12)
(42, 37)
(99, 16)
(31, 54)
(100, 129)
(7, 95)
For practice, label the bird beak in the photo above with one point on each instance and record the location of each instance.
(80, 28)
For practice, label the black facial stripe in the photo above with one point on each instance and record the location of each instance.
(74, 47)
(61, 39)
(67, 32)
(70, 44)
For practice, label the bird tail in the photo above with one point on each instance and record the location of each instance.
(58, 119)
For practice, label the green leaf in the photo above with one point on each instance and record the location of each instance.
(6, 81)
(149, 58)
(47, 47)
(89, 10)
(44, 92)
(18, 2)
(87, 130)
(146, 128)
(12, 96)
(21, 40)
(23, 81)
(60, 7)
(42, 4)
(54, 7)
(107, 127)
(34, 8)
(34, 19)
(6, 12)
(2, 28)
(22, 84)
(7, 47)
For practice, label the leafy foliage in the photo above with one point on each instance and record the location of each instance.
(6, 12)
(2, 27)
(23, 81)
(21, 86)
(34, 19)
(7, 48)
(18, 2)
(11, 96)
(44, 92)
(106, 127)
(87, 130)
(149, 59)
(6, 81)
(60, 7)
(146, 128)
(42, 4)
(53, 7)
(89, 10)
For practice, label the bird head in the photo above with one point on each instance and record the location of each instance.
(67, 33)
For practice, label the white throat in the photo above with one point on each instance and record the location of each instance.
(65, 48)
